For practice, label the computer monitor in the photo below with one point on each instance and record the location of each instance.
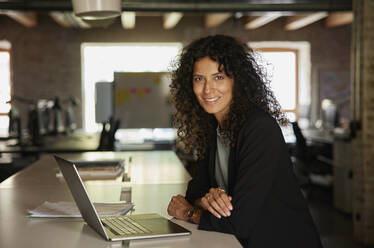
(329, 114)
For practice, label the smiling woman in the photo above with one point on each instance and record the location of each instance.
(244, 183)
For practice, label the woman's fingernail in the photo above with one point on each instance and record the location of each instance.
(219, 216)
(228, 214)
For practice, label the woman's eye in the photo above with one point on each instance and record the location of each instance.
(197, 79)
(219, 77)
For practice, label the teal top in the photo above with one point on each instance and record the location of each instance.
(222, 162)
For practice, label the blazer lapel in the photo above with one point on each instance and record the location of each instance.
(212, 162)
(231, 172)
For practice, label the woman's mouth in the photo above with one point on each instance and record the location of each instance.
(211, 100)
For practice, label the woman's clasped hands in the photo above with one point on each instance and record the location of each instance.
(217, 202)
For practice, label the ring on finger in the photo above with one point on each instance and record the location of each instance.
(221, 190)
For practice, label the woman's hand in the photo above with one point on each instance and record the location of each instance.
(179, 207)
(217, 202)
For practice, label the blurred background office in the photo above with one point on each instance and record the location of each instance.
(73, 84)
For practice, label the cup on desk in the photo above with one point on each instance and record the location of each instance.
(126, 182)
(127, 171)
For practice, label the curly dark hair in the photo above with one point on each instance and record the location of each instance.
(251, 89)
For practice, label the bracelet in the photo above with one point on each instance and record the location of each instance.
(190, 214)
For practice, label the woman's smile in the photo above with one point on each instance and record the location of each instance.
(212, 100)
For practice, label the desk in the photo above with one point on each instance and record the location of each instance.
(321, 136)
(155, 177)
(81, 142)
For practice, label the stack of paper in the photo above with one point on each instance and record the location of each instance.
(70, 209)
(98, 170)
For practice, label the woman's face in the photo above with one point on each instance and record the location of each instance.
(213, 89)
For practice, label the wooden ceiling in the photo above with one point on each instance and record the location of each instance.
(293, 21)
(253, 13)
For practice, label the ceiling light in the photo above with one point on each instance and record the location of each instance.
(97, 9)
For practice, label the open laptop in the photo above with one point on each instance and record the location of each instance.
(125, 227)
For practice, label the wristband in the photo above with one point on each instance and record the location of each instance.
(190, 214)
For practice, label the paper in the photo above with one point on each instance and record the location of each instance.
(70, 209)
(97, 170)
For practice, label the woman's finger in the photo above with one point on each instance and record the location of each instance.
(214, 212)
(170, 209)
(221, 203)
(218, 208)
(211, 202)
(204, 203)
(225, 199)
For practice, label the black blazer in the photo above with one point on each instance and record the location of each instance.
(269, 209)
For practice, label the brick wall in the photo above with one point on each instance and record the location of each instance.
(47, 60)
(363, 110)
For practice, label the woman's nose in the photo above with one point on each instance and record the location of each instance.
(208, 86)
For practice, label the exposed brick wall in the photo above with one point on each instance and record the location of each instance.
(47, 60)
(363, 50)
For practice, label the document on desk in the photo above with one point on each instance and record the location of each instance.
(70, 209)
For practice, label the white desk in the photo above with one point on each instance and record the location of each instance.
(155, 177)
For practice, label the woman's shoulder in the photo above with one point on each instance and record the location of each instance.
(261, 127)
(259, 119)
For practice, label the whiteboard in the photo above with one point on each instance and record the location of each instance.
(141, 100)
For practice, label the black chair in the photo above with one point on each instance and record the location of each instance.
(309, 170)
(107, 136)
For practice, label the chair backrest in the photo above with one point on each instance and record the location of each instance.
(301, 146)
(107, 137)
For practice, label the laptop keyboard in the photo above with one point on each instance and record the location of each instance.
(124, 226)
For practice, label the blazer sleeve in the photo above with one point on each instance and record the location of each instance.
(260, 148)
(199, 185)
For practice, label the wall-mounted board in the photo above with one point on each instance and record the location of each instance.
(141, 100)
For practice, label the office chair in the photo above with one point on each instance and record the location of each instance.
(107, 137)
(309, 170)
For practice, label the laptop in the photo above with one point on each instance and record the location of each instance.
(114, 228)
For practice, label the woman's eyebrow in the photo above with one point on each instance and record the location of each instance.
(213, 74)
(217, 73)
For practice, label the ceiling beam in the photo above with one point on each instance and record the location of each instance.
(68, 19)
(77, 21)
(61, 18)
(338, 19)
(297, 22)
(214, 20)
(192, 6)
(27, 19)
(259, 21)
(171, 19)
(128, 19)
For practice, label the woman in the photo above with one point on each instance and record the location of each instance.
(244, 184)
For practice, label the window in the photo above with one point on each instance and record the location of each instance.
(100, 60)
(302, 75)
(281, 68)
(5, 90)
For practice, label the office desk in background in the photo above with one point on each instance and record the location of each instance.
(146, 140)
(54, 144)
(321, 136)
(155, 177)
